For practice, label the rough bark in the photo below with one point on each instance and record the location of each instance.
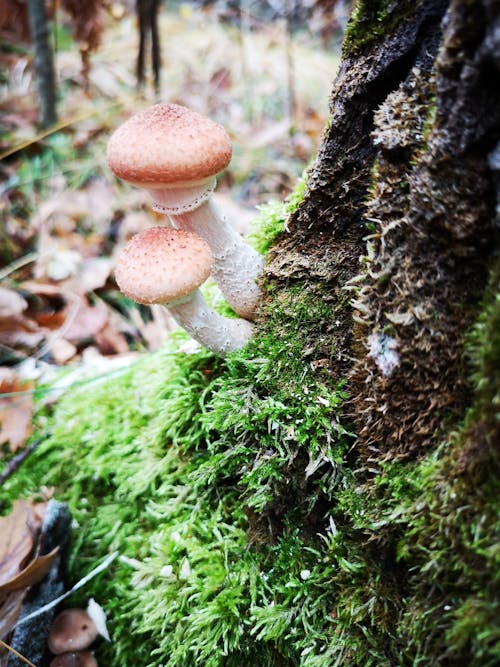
(414, 116)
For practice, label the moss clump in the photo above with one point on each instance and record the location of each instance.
(183, 464)
(273, 216)
(371, 20)
(365, 24)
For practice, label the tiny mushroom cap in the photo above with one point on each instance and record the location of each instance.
(167, 266)
(74, 659)
(71, 630)
(167, 145)
(163, 265)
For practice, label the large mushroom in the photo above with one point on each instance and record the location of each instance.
(167, 266)
(72, 630)
(175, 153)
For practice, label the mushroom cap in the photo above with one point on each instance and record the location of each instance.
(74, 659)
(163, 265)
(167, 144)
(71, 630)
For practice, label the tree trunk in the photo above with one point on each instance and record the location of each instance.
(44, 62)
(415, 115)
(397, 237)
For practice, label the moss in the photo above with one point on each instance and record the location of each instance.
(181, 463)
(273, 218)
(371, 20)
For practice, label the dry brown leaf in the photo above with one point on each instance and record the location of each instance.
(18, 534)
(41, 288)
(34, 572)
(20, 331)
(92, 275)
(61, 350)
(110, 341)
(15, 411)
(87, 322)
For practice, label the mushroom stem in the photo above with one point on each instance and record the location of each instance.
(217, 333)
(175, 154)
(236, 265)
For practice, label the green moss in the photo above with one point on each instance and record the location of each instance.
(366, 23)
(181, 463)
(273, 217)
(370, 20)
(248, 532)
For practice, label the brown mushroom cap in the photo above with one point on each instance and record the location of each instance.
(74, 659)
(167, 144)
(162, 265)
(71, 630)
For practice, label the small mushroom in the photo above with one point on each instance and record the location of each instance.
(175, 153)
(74, 659)
(71, 630)
(167, 266)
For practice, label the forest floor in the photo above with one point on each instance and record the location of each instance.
(65, 217)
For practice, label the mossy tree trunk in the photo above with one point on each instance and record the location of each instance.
(400, 211)
(398, 232)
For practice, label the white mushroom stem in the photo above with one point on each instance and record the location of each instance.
(236, 264)
(217, 333)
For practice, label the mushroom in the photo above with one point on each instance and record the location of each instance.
(74, 659)
(175, 153)
(167, 266)
(71, 630)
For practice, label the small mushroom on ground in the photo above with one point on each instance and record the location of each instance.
(71, 630)
(167, 266)
(74, 659)
(175, 153)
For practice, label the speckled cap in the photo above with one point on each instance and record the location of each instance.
(162, 265)
(166, 144)
(71, 630)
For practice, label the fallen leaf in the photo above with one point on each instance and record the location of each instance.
(34, 572)
(18, 534)
(97, 614)
(15, 411)
(110, 341)
(92, 274)
(61, 350)
(20, 331)
(87, 322)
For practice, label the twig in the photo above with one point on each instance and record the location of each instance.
(18, 263)
(17, 460)
(16, 653)
(55, 128)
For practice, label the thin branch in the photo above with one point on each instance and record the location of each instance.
(16, 653)
(17, 460)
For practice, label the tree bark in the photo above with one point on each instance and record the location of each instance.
(414, 115)
(44, 62)
(398, 236)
